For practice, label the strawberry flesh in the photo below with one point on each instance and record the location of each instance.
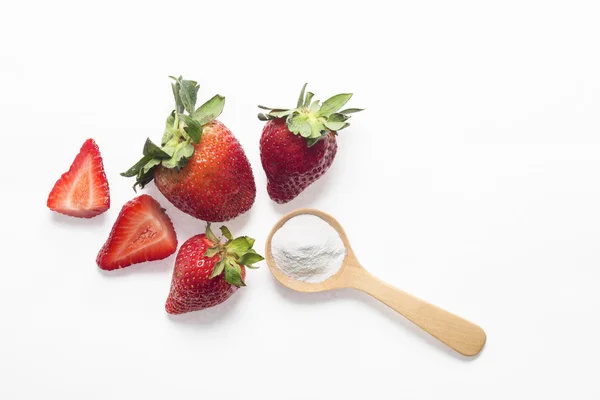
(82, 191)
(142, 232)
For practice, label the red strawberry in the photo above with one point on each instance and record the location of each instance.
(200, 167)
(217, 182)
(290, 164)
(298, 145)
(208, 271)
(142, 232)
(82, 191)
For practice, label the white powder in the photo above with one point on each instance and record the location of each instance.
(308, 249)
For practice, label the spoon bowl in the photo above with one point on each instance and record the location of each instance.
(336, 281)
(461, 335)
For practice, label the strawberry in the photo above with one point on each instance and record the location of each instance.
(200, 166)
(82, 191)
(142, 232)
(298, 145)
(209, 270)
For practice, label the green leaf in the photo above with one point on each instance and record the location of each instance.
(250, 258)
(209, 110)
(193, 128)
(225, 231)
(262, 117)
(299, 124)
(301, 98)
(170, 122)
(152, 150)
(317, 128)
(334, 103)
(351, 110)
(166, 137)
(336, 122)
(188, 93)
(151, 164)
(171, 145)
(176, 93)
(218, 269)
(281, 114)
(267, 108)
(337, 117)
(250, 242)
(314, 107)
(238, 246)
(233, 273)
(308, 99)
(252, 266)
(210, 234)
(335, 125)
(143, 178)
(211, 252)
(170, 129)
(133, 171)
(181, 154)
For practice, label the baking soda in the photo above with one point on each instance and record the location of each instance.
(308, 249)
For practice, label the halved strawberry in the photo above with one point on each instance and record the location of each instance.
(82, 191)
(142, 232)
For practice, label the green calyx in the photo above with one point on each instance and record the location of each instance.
(312, 120)
(183, 129)
(232, 254)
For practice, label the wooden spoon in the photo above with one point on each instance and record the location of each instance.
(459, 334)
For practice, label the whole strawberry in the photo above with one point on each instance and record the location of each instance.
(200, 166)
(298, 145)
(209, 270)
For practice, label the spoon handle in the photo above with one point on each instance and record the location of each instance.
(461, 335)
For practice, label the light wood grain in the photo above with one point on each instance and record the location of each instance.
(459, 334)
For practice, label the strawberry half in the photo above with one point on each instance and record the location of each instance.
(82, 191)
(297, 146)
(142, 232)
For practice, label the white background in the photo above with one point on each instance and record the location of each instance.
(471, 180)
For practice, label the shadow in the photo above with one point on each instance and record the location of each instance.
(307, 198)
(66, 220)
(150, 267)
(382, 309)
(210, 315)
(187, 226)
